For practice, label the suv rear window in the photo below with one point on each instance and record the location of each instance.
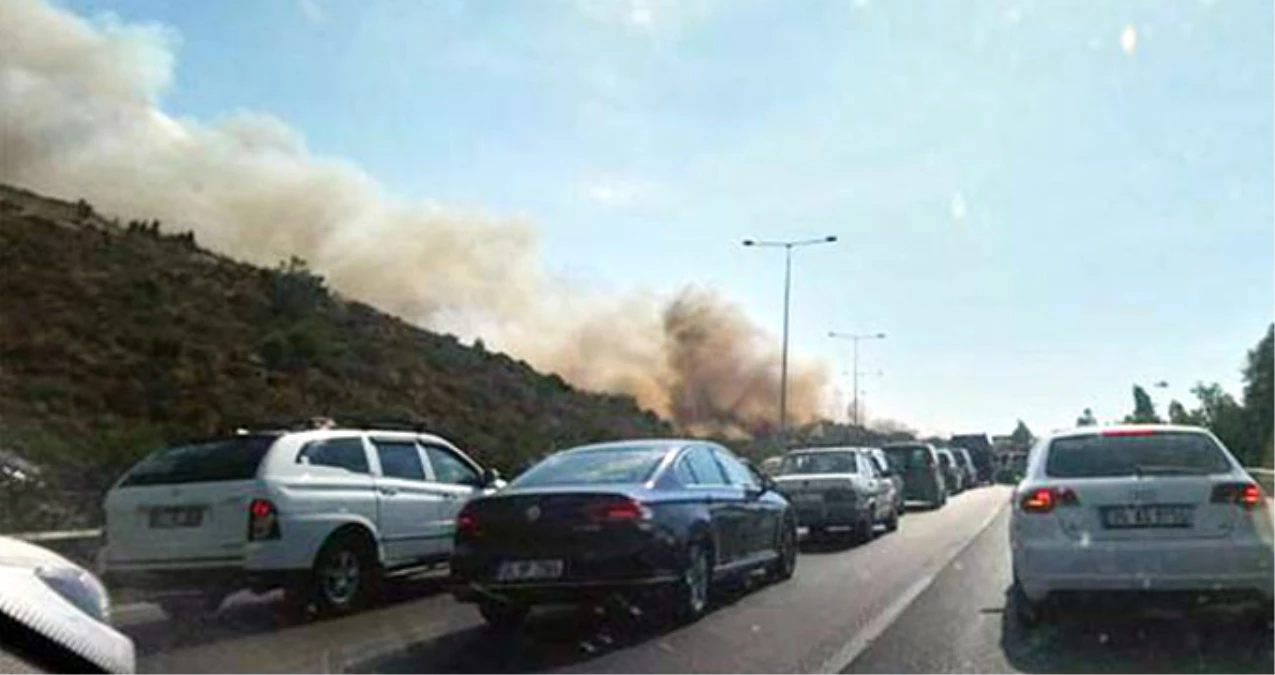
(225, 459)
(904, 457)
(819, 462)
(1166, 453)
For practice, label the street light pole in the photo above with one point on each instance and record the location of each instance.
(788, 246)
(855, 338)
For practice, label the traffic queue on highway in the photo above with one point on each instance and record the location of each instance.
(327, 513)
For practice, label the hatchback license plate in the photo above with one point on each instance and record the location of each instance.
(179, 516)
(1125, 517)
(526, 570)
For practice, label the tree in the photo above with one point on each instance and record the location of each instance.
(1143, 408)
(1086, 419)
(1259, 399)
(1021, 436)
(1227, 419)
(1178, 414)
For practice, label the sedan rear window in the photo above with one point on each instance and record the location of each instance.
(819, 462)
(614, 466)
(226, 459)
(1166, 453)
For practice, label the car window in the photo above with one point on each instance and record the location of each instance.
(683, 471)
(620, 465)
(819, 462)
(736, 471)
(448, 468)
(400, 459)
(235, 458)
(1151, 454)
(707, 472)
(340, 453)
(945, 459)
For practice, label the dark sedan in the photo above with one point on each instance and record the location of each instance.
(659, 521)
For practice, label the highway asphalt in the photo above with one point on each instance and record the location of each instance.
(813, 622)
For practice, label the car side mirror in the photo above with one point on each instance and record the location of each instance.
(490, 477)
(768, 484)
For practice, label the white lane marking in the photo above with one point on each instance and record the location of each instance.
(874, 628)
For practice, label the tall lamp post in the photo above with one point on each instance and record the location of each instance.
(855, 338)
(788, 246)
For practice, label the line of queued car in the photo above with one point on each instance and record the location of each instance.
(852, 490)
(326, 513)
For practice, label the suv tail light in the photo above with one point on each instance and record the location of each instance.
(263, 520)
(617, 510)
(1043, 500)
(1247, 495)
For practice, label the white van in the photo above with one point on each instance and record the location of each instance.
(322, 514)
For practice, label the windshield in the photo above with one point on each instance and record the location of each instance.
(611, 466)
(818, 462)
(1160, 453)
(223, 460)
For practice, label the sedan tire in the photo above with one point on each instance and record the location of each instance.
(343, 576)
(694, 588)
(786, 564)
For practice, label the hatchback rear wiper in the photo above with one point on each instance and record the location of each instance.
(1166, 470)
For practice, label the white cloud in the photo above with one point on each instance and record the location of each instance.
(613, 192)
(313, 11)
(1129, 39)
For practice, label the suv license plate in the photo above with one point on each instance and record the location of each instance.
(173, 517)
(1125, 517)
(525, 570)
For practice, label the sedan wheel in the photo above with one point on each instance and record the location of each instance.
(786, 565)
(696, 582)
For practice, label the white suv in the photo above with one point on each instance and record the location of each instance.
(1138, 508)
(321, 513)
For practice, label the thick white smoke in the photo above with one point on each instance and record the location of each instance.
(80, 118)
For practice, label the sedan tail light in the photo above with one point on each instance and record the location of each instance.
(466, 522)
(617, 510)
(263, 520)
(1044, 500)
(1247, 495)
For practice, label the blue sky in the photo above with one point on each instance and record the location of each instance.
(1039, 203)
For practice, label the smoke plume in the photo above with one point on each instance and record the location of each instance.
(80, 118)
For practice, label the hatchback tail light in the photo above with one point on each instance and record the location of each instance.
(1044, 500)
(1247, 495)
(263, 520)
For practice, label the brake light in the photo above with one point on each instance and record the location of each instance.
(618, 511)
(466, 523)
(1043, 500)
(263, 520)
(1128, 432)
(1247, 495)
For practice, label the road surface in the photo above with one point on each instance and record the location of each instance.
(927, 598)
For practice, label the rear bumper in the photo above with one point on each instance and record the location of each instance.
(140, 582)
(1220, 565)
(829, 514)
(564, 592)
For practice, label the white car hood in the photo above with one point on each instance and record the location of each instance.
(27, 599)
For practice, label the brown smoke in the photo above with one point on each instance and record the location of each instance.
(79, 117)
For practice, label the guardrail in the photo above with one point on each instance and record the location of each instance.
(80, 546)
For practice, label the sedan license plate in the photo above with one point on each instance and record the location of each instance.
(527, 570)
(177, 516)
(1126, 517)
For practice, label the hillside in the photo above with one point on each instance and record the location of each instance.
(116, 337)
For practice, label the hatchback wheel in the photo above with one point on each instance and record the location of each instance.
(696, 582)
(892, 523)
(342, 576)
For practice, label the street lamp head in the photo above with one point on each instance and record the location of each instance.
(831, 238)
(880, 336)
(749, 242)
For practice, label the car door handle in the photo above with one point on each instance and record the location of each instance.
(389, 490)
